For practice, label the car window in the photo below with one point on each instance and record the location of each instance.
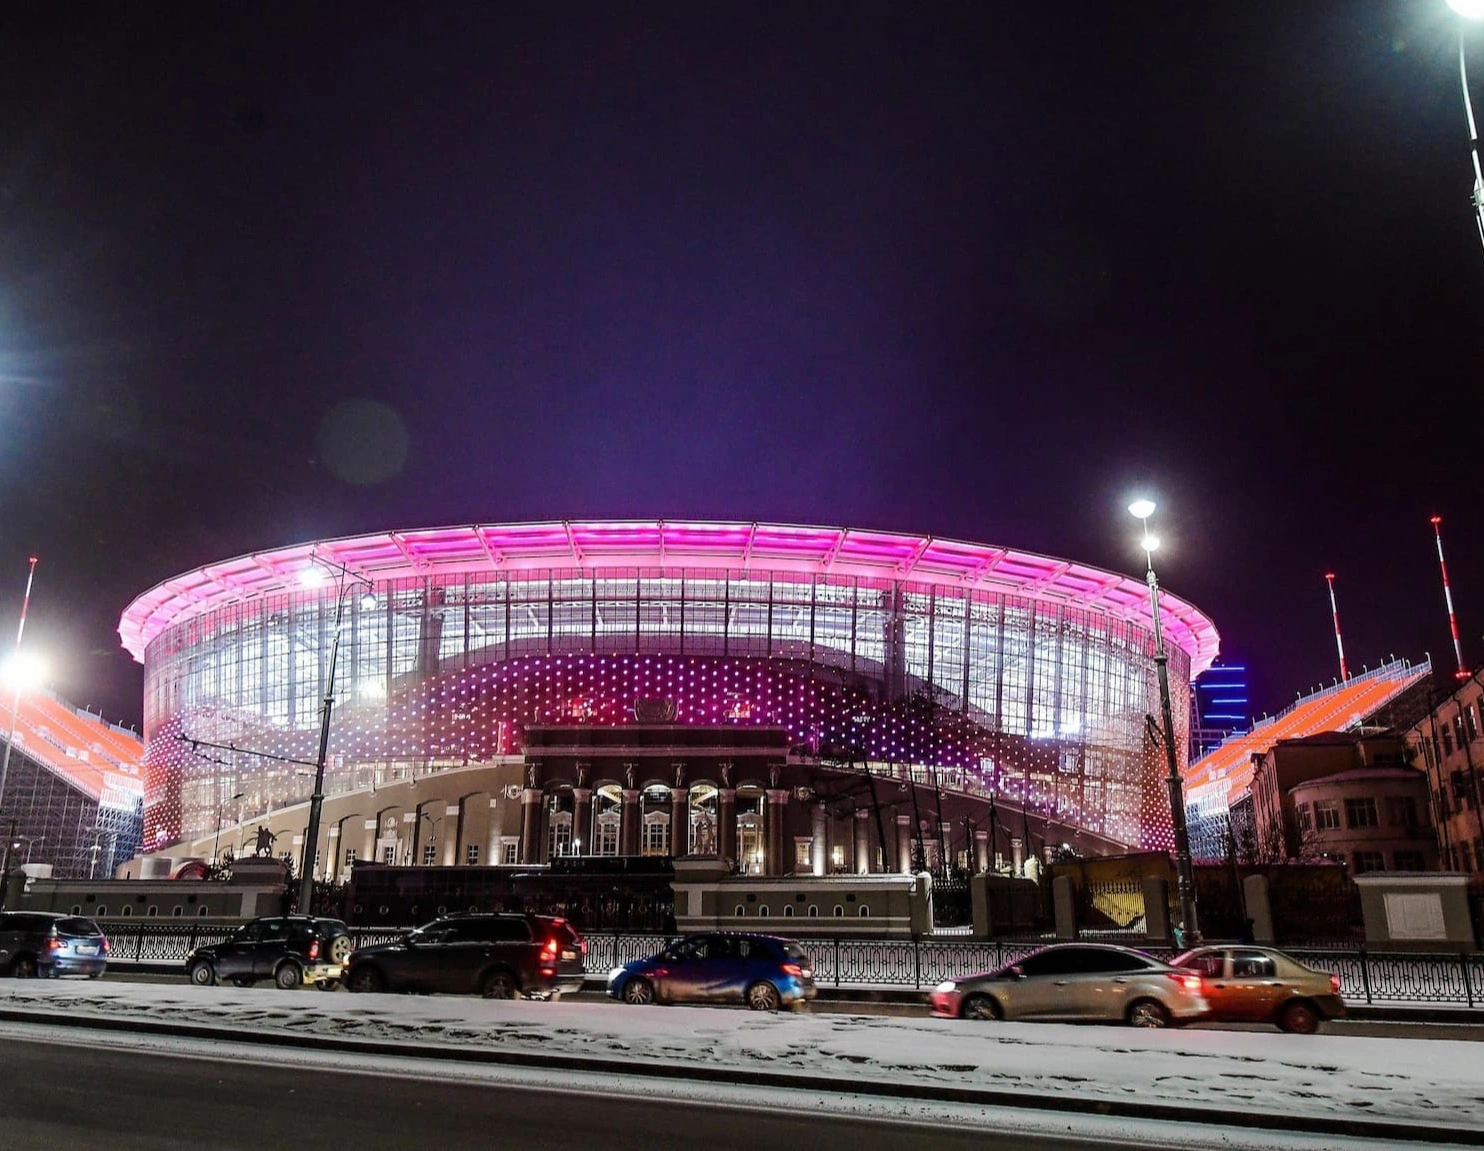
(509, 931)
(794, 951)
(470, 931)
(77, 927)
(723, 947)
(274, 928)
(1094, 961)
(1211, 964)
(249, 933)
(691, 949)
(1057, 962)
(1253, 965)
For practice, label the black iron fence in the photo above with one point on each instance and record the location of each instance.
(1366, 977)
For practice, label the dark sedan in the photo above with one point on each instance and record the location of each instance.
(762, 971)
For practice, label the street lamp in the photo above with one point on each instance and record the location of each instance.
(1141, 510)
(311, 578)
(220, 810)
(18, 672)
(1471, 10)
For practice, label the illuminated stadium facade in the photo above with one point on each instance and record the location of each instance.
(980, 669)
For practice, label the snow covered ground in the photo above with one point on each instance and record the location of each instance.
(1437, 1082)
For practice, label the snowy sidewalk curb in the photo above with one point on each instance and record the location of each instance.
(1356, 1128)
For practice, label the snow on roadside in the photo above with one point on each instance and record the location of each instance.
(1432, 1081)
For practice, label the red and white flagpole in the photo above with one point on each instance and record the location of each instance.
(1334, 610)
(1462, 672)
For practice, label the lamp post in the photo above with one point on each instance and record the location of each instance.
(220, 810)
(313, 577)
(1471, 10)
(1141, 510)
(19, 678)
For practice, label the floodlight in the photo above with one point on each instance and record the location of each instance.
(23, 671)
(1143, 509)
(1468, 9)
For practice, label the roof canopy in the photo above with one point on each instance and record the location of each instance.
(669, 544)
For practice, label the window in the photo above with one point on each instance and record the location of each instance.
(1326, 814)
(202, 911)
(1447, 742)
(1211, 964)
(1361, 812)
(1369, 861)
(814, 911)
(559, 841)
(430, 853)
(508, 849)
(77, 909)
(801, 854)
(1470, 723)
(471, 855)
(389, 854)
(865, 912)
(1253, 965)
(1408, 861)
(1401, 811)
(656, 834)
(839, 912)
(1305, 817)
(739, 911)
(605, 842)
(103, 909)
(177, 911)
(763, 910)
(788, 911)
(153, 911)
(350, 856)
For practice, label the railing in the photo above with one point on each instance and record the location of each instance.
(1372, 978)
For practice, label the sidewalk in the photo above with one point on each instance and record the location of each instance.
(1377, 1089)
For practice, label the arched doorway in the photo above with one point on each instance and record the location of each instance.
(607, 819)
(751, 833)
(703, 819)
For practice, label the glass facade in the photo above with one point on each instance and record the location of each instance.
(1039, 700)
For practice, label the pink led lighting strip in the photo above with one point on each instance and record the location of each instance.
(670, 545)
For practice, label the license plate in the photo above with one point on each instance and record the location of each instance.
(569, 955)
(87, 949)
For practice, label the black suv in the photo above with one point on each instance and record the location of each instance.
(497, 956)
(48, 944)
(289, 949)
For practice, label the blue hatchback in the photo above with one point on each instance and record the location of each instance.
(762, 971)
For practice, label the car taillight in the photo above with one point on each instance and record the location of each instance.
(55, 945)
(582, 946)
(314, 949)
(105, 945)
(1186, 980)
(549, 950)
(791, 969)
(1334, 983)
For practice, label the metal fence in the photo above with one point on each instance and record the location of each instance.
(1374, 978)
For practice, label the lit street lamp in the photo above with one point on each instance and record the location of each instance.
(1471, 10)
(220, 811)
(1141, 510)
(21, 674)
(313, 577)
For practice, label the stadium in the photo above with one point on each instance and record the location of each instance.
(1016, 687)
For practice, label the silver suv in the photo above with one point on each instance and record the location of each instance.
(47, 944)
(1078, 982)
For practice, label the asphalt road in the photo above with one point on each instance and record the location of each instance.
(61, 1095)
(1467, 1031)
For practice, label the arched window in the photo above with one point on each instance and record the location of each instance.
(788, 911)
(763, 910)
(839, 912)
(77, 909)
(739, 911)
(127, 911)
(201, 911)
(177, 911)
(559, 837)
(101, 910)
(814, 911)
(153, 911)
(865, 912)
(656, 833)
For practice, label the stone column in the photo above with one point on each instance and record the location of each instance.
(819, 846)
(981, 851)
(628, 823)
(726, 830)
(1017, 856)
(368, 848)
(904, 844)
(530, 826)
(863, 843)
(777, 797)
(679, 821)
(582, 820)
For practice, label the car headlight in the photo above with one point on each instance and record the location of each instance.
(947, 985)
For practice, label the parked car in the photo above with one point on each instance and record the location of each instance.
(497, 956)
(47, 944)
(1263, 985)
(291, 950)
(1078, 982)
(762, 971)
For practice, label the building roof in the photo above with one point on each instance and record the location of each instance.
(1359, 773)
(96, 757)
(673, 545)
(1227, 770)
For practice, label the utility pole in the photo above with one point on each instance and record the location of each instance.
(15, 707)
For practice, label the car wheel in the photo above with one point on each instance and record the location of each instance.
(980, 1007)
(366, 979)
(202, 974)
(499, 985)
(1298, 1018)
(340, 949)
(1148, 1013)
(24, 968)
(763, 997)
(638, 991)
(288, 976)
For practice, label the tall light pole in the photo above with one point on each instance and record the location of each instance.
(18, 675)
(1141, 510)
(313, 577)
(1471, 10)
(220, 811)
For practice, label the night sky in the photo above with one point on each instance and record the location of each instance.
(276, 272)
